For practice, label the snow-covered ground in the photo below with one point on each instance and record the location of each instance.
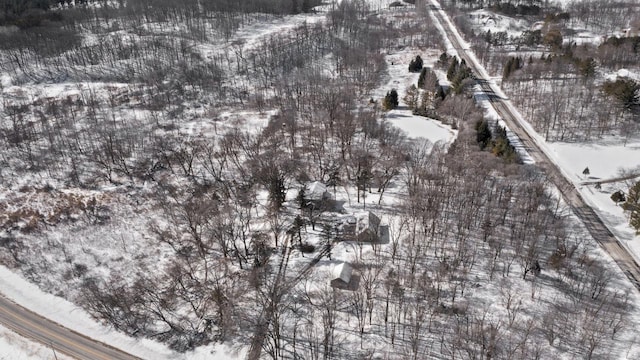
(608, 159)
(400, 78)
(605, 160)
(20, 290)
(16, 347)
(486, 20)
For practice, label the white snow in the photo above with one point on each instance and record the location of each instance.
(5, 80)
(19, 290)
(605, 160)
(16, 347)
(571, 159)
(487, 20)
(400, 78)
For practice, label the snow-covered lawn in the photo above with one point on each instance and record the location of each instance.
(606, 159)
(400, 78)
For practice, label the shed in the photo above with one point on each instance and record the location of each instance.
(341, 276)
(316, 191)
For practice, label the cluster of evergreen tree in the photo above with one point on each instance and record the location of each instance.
(416, 64)
(390, 101)
(496, 141)
(632, 205)
(459, 74)
(626, 91)
(512, 64)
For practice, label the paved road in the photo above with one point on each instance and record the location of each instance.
(505, 109)
(63, 340)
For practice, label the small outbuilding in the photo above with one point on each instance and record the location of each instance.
(341, 276)
(316, 192)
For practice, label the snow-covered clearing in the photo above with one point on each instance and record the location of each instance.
(400, 79)
(485, 20)
(605, 160)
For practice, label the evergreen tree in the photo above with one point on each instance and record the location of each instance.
(423, 75)
(416, 64)
(627, 92)
(443, 60)
(440, 93)
(483, 134)
(618, 197)
(587, 67)
(453, 69)
(391, 100)
(302, 198)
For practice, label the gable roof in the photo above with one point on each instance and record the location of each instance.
(315, 191)
(342, 272)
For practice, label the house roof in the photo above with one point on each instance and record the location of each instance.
(315, 191)
(342, 272)
(367, 221)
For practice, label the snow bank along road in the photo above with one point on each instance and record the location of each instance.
(49, 333)
(505, 109)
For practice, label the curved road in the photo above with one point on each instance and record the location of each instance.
(54, 335)
(570, 194)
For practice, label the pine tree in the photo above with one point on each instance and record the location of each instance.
(423, 75)
(453, 69)
(483, 134)
(443, 60)
(618, 197)
(416, 64)
(440, 93)
(391, 100)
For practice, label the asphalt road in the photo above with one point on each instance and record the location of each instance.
(53, 335)
(570, 194)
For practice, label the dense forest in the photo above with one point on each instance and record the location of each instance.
(153, 155)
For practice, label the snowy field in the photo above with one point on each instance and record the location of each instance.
(606, 160)
(400, 79)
